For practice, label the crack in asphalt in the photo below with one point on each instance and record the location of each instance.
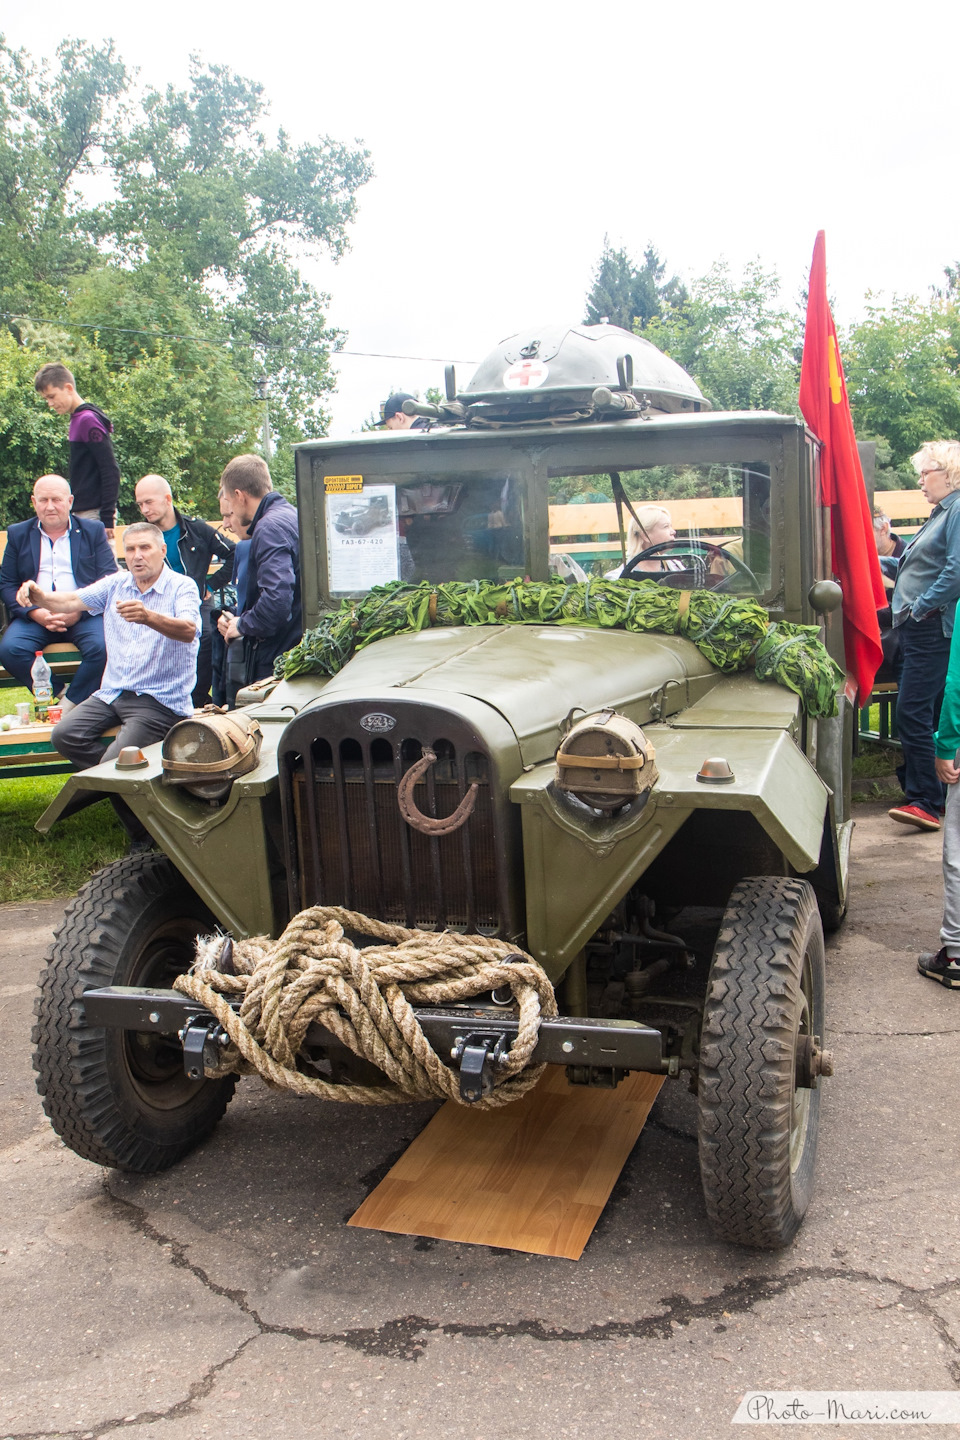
(405, 1338)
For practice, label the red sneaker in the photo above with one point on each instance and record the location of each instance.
(914, 815)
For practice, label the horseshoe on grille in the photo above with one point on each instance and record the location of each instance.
(425, 823)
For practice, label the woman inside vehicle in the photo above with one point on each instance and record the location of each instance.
(650, 525)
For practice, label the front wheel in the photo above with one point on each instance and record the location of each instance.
(118, 1097)
(758, 1112)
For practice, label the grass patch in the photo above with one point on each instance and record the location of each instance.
(875, 761)
(54, 866)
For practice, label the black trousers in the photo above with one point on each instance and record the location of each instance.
(201, 693)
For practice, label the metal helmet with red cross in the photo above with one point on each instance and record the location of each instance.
(578, 371)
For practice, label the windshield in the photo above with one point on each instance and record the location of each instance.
(693, 526)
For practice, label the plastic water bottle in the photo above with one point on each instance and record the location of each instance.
(42, 677)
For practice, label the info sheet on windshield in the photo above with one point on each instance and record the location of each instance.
(362, 540)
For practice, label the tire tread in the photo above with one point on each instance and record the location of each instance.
(746, 1059)
(69, 1056)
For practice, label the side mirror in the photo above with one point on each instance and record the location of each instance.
(824, 596)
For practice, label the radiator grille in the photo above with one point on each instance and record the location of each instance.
(353, 847)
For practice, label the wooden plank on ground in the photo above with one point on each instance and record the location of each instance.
(534, 1176)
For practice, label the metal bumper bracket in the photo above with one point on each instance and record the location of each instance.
(201, 1038)
(478, 1057)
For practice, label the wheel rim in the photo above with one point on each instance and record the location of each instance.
(154, 1063)
(801, 1095)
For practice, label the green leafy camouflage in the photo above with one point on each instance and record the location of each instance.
(732, 631)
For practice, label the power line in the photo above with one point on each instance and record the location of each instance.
(206, 340)
(118, 329)
(376, 355)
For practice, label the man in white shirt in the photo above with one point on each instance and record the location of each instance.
(62, 554)
(151, 620)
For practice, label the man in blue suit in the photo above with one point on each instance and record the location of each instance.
(59, 552)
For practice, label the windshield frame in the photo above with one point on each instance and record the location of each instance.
(531, 456)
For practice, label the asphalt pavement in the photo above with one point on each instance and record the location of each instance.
(228, 1296)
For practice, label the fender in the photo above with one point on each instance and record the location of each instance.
(586, 864)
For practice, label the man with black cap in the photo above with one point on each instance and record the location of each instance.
(394, 418)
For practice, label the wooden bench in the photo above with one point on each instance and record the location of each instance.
(885, 697)
(27, 751)
(62, 657)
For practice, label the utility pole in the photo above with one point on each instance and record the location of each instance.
(263, 394)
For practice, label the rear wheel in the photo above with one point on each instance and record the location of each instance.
(758, 1126)
(119, 1097)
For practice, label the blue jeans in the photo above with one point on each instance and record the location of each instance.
(23, 638)
(926, 651)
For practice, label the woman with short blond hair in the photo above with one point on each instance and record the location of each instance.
(649, 525)
(923, 605)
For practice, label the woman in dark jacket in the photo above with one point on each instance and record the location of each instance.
(923, 606)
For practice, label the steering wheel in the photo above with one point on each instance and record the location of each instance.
(675, 549)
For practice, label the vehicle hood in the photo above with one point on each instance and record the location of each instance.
(533, 675)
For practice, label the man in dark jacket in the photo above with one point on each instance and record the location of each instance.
(191, 546)
(59, 552)
(94, 473)
(270, 622)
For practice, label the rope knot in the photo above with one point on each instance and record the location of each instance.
(364, 995)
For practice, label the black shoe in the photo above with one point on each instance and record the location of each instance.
(140, 847)
(941, 968)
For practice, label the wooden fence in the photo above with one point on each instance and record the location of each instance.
(592, 529)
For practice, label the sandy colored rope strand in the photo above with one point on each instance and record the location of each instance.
(312, 973)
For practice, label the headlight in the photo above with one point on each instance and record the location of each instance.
(606, 761)
(207, 752)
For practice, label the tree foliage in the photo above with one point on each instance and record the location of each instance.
(901, 362)
(179, 286)
(629, 295)
(743, 347)
(736, 339)
(53, 133)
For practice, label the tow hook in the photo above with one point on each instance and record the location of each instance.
(812, 1062)
(195, 1037)
(478, 1057)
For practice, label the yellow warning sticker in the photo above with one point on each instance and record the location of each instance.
(342, 484)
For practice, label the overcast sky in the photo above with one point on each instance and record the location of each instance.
(509, 138)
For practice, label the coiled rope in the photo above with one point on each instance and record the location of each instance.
(363, 996)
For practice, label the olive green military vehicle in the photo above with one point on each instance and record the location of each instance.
(679, 915)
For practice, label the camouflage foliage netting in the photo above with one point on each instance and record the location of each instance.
(732, 631)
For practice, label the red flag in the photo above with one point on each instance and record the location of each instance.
(826, 409)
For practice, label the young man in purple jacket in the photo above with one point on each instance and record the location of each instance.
(270, 621)
(94, 473)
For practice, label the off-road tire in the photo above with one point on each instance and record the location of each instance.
(757, 1131)
(116, 1097)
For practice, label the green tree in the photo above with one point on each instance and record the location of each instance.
(202, 196)
(33, 441)
(177, 292)
(736, 339)
(901, 362)
(629, 295)
(53, 132)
